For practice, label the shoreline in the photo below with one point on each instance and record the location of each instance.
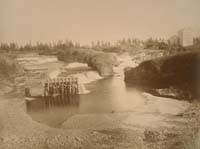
(20, 130)
(108, 130)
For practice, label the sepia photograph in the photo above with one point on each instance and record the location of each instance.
(100, 74)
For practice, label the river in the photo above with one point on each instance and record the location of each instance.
(108, 95)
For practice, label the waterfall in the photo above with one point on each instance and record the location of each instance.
(84, 77)
(87, 77)
(82, 89)
(76, 64)
(125, 61)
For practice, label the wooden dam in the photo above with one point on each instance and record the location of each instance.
(65, 87)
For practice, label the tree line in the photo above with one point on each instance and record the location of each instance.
(105, 46)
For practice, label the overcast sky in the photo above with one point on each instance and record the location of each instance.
(87, 20)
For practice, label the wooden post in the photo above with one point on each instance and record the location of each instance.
(65, 90)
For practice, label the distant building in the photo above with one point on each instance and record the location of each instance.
(186, 37)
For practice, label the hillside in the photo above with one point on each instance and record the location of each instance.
(176, 73)
(102, 62)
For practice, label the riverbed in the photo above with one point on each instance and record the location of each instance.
(100, 95)
(110, 115)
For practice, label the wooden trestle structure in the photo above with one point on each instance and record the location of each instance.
(63, 87)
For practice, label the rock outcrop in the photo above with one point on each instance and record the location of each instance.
(9, 69)
(180, 72)
(102, 62)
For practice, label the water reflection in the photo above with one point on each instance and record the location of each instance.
(45, 103)
(107, 95)
(53, 111)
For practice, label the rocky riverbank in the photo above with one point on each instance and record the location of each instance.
(174, 129)
(109, 130)
(100, 61)
(152, 126)
(9, 70)
(174, 76)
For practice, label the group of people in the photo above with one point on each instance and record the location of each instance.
(61, 86)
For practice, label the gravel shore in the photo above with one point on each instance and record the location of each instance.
(111, 130)
(160, 124)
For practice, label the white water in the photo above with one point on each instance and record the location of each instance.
(76, 64)
(87, 77)
(125, 61)
(29, 60)
(82, 89)
(83, 77)
(90, 76)
(106, 96)
(37, 61)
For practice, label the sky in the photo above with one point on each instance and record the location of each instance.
(84, 21)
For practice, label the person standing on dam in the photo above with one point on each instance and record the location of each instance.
(45, 89)
(68, 89)
(72, 86)
(27, 92)
(61, 87)
(50, 89)
(76, 85)
(65, 87)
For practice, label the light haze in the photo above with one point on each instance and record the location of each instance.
(90, 20)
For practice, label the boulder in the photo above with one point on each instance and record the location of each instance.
(180, 71)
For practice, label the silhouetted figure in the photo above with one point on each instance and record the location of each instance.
(27, 92)
(45, 90)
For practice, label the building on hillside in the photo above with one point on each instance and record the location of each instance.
(186, 37)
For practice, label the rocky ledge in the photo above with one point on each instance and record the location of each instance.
(100, 61)
(174, 76)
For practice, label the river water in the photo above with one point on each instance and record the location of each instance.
(106, 95)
